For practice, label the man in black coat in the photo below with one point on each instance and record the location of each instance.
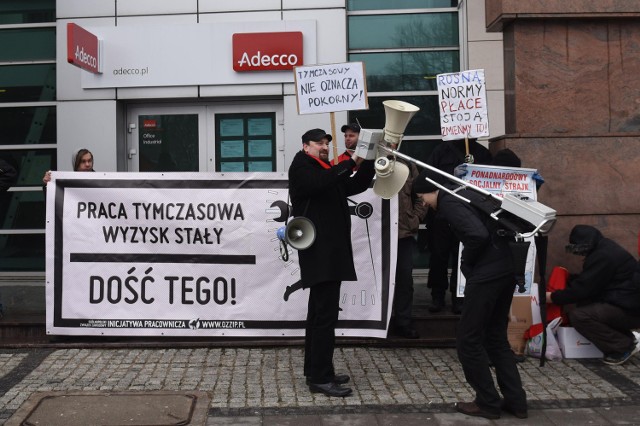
(486, 263)
(319, 192)
(442, 243)
(606, 295)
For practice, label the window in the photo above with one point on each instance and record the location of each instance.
(27, 126)
(404, 44)
(245, 142)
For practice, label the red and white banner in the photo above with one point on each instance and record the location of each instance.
(500, 180)
(196, 254)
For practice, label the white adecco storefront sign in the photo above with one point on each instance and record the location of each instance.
(196, 254)
(183, 55)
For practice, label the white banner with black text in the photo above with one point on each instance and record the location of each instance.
(196, 254)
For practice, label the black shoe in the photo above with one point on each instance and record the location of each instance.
(330, 389)
(407, 332)
(472, 409)
(521, 414)
(436, 306)
(338, 379)
(341, 379)
(619, 359)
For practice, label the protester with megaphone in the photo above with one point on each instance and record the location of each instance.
(319, 193)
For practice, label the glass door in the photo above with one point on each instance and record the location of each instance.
(216, 137)
(167, 139)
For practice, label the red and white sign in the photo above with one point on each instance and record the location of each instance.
(149, 124)
(83, 49)
(278, 51)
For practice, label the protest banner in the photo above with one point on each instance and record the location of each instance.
(195, 254)
(501, 180)
(462, 101)
(331, 88)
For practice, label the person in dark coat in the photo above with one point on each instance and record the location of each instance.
(486, 263)
(411, 212)
(319, 192)
(606, 296)
(442, 243)
(8, 175)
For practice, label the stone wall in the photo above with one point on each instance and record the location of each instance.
(572, 110)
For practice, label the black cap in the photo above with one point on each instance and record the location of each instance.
(423, 186)
(316, 135)
(354, 127)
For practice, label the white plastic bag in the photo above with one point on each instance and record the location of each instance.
(534, 344)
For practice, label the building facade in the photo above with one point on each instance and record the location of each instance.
(176, 117)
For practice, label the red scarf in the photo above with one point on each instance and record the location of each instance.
(322, 163)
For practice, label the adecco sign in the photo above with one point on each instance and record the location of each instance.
(83, 49)
(267, 51)
(129, 62)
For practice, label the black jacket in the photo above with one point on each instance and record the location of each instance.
(485, 255)
(8, 175)
(449, 154)
(320, 195)
(606, 274)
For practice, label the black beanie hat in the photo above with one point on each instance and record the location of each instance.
(423, 186)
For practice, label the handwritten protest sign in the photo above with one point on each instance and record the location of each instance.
(331, 88)
(462, 101)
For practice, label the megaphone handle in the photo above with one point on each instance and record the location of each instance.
(284, 253)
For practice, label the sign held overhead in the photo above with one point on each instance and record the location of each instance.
(331, 88)
(462, 100)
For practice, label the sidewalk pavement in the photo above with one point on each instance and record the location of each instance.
(264, 386)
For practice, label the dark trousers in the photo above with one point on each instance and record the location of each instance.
(320, 334)
(482, 337)
(606, 326)
(403, 293)
(443, 245)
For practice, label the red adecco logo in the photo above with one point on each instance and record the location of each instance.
(267, 51)
(149, 124)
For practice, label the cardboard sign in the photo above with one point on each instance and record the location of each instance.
(462, 101)
(331, 88)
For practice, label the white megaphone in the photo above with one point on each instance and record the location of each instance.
(300, 233)
(390, 177)
(391, 174)
(397, 116)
